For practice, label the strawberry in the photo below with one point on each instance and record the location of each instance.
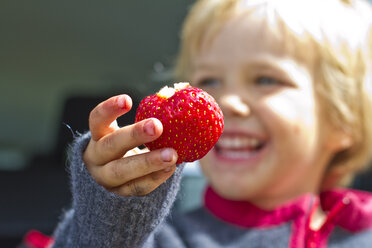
(192, 120)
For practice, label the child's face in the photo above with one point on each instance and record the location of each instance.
(272, 147)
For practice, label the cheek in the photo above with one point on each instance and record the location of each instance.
(293, 124)
(295, 111)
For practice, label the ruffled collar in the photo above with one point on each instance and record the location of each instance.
(245, 214)
(350, 209)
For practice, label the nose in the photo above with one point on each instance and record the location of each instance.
(235, 105)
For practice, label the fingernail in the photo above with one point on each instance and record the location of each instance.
(149, 128)
(121, 101)
(167, 155)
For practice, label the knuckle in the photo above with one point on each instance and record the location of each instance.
(101, 181)
(88, 155)
(150, 159)
(116, 171)
(91, 120)
(155, 176)
(136, 132)
(94, 114)
(137, 189)
(98, 177)
(107, 143)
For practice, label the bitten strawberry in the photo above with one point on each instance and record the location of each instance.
(192, 120)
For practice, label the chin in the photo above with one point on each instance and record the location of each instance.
(234, 190)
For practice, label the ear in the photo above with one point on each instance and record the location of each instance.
(338, 140)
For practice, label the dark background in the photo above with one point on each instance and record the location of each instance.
(58, 59)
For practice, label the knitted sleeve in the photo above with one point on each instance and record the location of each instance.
(99, 218)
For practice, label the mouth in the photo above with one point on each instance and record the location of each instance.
(239, 147)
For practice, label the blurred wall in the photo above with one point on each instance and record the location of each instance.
(51, 49)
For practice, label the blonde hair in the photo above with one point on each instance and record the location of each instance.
(338, 36)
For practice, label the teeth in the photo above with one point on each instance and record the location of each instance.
(236, 142)
(236, 154)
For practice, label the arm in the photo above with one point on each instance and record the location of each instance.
(106, 216)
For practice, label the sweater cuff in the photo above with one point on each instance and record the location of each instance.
(111, 218)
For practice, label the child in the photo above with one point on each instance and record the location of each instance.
(290, 77)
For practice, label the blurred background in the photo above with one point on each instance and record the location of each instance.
(52, 50)
(58, 59)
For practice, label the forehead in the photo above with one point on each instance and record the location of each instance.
(253, 33)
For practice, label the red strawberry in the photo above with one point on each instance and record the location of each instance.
(192, 120)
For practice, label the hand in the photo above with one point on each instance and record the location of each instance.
(113, 157)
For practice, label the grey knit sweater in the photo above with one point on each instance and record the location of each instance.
(99, 218)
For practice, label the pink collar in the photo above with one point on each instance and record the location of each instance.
(245, 214)
(350, 209)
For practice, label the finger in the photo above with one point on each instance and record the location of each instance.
(92, 162)
(135, 151)
(116, 144)
(102, 119)
(146, 184)
(124, 170)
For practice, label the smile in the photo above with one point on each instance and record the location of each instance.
(235, 147)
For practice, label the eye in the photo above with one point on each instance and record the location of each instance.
(269, 81)
(209, 82)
